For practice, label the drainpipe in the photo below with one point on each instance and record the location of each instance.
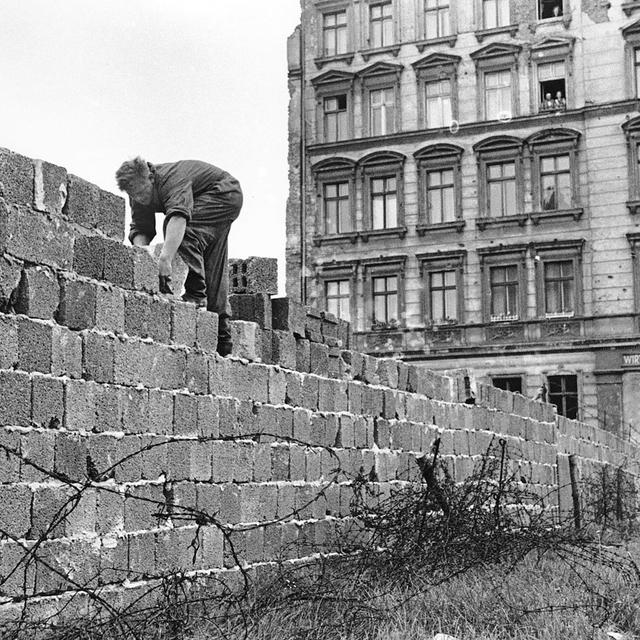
(303, 170)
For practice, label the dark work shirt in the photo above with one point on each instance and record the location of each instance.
(176, 186)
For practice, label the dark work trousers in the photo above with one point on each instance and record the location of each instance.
(204, 250)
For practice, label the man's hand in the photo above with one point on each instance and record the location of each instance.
(164, 274)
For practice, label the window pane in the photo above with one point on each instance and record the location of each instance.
(512, 300)
(498, 301)
(344, 221)
(437, 305)
(434, 204)
(451, 303)
(378, 212)
(379, 284)
(503, 12)
(495, 199)
(344, 189)
(341, 45)
(510, 198)
(392, 306)
(490, 14)
(392, 213)
(331, 217)
(377, 185)
(448, 212)
(387, 37)
(434, 178)
(562, 163)
(564, 191)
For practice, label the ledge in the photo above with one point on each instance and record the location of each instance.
(434, 42)
(481, 34)
(564, 20)
(633, 206)
(484, 222)
(337, 238)
(401, 232)
(456, 225)
(343, 57)
(393, 49)
(537, 216)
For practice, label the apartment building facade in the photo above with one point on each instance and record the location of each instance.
(465, 189)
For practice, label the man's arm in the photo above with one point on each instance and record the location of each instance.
(173, 235)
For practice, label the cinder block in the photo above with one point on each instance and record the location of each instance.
(206, 337)
(111, 215)
(185, 415)
(8, 342)
(266, 346)
(208, 417)
(82, 204)
(183, 323)
(15, 391)
(288, 315)
(277, 386)
(16, 177)
(246, 340)
(283, 349)
(109, 408)
(37, 451)
(303, 355)
(10, 274)
(170, 372)
(18, 577)
(142, 504)
(197, 372)
(77, 308)
(310, 392)
(135, 410)
(159, 320)
(253, 275)
(71, 457)
(38, 293)
(319, 359)
(10, 452)
(109, 309)
(99, 356)
(79, 405)
(47, 404)
(50, 187)
(141, 554)
(48, 505)
(130, 268)
(229, 504)
(313, 324)
(161, 411)
(252, 307)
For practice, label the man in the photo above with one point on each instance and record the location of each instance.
(200, 202)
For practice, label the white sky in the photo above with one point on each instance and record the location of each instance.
(88, 84)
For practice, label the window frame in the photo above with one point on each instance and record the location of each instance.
(377, 268)
(631, 35)
(435, 67)
(328, 85)
(331, 171)
(347, 270)
(380, 75)
(433, 158)
(547, 143)
(326, 8)
(421, 28)
(481, 32)
(503, 256)
(634, 246)
(499, 149)
(434, 263)
(550, 50)
(563, 17)
(367, 50)
(493, 58)
(506, 376)
(631, 130)
(565, 374)
(381, 164)
(559, 251)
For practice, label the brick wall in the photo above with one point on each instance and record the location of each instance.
(129, 449)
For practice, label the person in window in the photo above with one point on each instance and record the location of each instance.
(557, 11)
(560, 103)
(548, 103)
(549, 199)
(200, 201)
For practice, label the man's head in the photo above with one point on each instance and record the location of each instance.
(135, 177)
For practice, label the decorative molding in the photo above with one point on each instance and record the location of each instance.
(575, 213)
(350, 236)
(498, 143)
(634, 207)
(487, 221)
(554, 136)
(495, 50)
(393, 49)
(434, 60)
(434, 42)
(333, 76)
(343, 57)
(401, 232)
(380, 69)
(510, 29)
(440, 227)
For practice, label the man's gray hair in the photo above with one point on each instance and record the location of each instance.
(132, 171)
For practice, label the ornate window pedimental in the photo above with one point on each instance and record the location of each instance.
(336, 286)
(631, 35)
(552, 88)
(559, 283)
(497, 80)
(554, 174)
(384, 292)
(500, 182)
(634, 243)
(382, 175)
(631, 130)
(380, 21)
(436, 22)
(443, 293)
(335, 32)
(380, 84)
(335, 196)
(503, 274)
(493, 17)
(437, 78)
(439, 188)
(630, 7)
(334, 105)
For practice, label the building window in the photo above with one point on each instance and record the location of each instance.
(555, 182)
(549, 9)
(384, 202)
(443, 292)
(381, 25)
(552, 88)
(504, 290)
(563, 392)
(335, 118)
(497, 92)
(559, 288)
(440, 189)
(438, 103)
(385, 300)
(338, 298)
(636, 70)
(337, 211)
(501, 189)
(508, 383)
(334, 33)
(631, 130)
(436, 19)
(382, 111)
(495, 13)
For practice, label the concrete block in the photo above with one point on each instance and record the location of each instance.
(10, 274)
(183, 323)
(206, 335)
(280, 461)
(19, 577)
(15, 391)
(77, 308)
(283, 349)
(141, 555)
(50, 187)
(229, 503)
(262, 463)
(288, 315)
(310, 391)
(79, 405)
(8, 342)
(82, 204)
(185, 415)
(159, 320)
(293, 394)
(197, 372)
(253, 275)
(252, 307)
(38, 293)
(130, 268)
(161, 411)
(245, 337)
(109, 408)
(37, 450)
(128, 459)
(10, 456)
(135, 410)
(49, 506)
(88, 256)
(109, 309)
(319, 359)
(277, 386)
(16, 177)
(71, 457)
(98, 362)
(47, 402)
(303, 355)
(142, 504)
(111, 215)
(170, 371)
(313, 324)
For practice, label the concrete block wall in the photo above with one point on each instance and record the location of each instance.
(130, 450)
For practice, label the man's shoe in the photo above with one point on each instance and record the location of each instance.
(199, 302)
(225, 348)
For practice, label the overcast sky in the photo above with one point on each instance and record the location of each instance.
(87, 84)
